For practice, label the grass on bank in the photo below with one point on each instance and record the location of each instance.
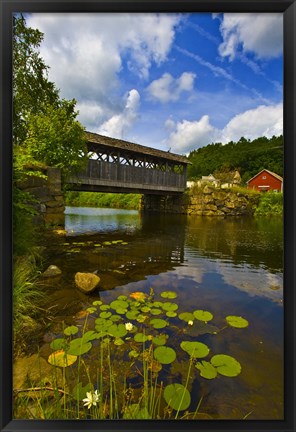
(96, 199)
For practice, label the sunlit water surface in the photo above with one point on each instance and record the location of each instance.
(226, 266)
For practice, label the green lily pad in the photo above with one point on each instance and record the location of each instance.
(117, 330)
(89, 335)
(237, 321)
(91, 310)
(71, 330)
(164, 355)
(168, 306)
(168, 294)
(132, 314)
(207, 370)
(195, 349)
(121, 311)
(200, 328)
(157, 304)
(78, 347)
(160, 339)
(186, 316)
(226, 365)
(177, 397)
(107, 243)
(115, 318)
(171, 314)
(122, 297)
(105, 314)
(97, 303)
(119, 304)
(202, 315)
(140, 337)
(141, 318)
(103, 323)
(155, 311)
(104, 307)
(145, 309)
(158, 323)
(58, 344)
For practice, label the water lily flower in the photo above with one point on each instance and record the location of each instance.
(190, 322)
(91, 398)
(129, 326)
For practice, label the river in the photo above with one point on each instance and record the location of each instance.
(228, 266)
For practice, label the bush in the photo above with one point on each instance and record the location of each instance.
(271, 203)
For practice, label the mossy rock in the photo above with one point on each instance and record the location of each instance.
(87, 282)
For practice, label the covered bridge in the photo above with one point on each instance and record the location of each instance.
(120, 166)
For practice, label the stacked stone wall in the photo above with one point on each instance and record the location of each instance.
(48, 198)
(206, 201)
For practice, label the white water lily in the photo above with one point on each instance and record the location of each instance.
(129, 326)
(91, 399)
(190, 322)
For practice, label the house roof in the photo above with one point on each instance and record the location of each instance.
(269, 172)
(94, 138)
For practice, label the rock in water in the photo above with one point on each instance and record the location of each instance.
(87, 282)
(51, 271)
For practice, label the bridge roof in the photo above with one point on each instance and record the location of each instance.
(102, 140)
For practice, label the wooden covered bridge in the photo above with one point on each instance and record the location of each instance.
(121, 166)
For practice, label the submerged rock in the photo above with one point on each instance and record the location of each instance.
(87, 282)
(51, 271)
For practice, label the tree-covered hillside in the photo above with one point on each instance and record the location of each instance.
(248, 157)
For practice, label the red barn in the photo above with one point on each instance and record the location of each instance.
(266, 181)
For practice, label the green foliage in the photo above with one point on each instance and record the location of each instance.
(96, 199)
(271, 203)
(248, 157)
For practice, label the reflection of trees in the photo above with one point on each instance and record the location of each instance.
(256, 241)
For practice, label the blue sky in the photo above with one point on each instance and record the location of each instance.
(169, 81)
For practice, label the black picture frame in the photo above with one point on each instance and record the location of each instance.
(288, 8)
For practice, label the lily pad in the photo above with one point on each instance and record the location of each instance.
(117, 330)
(105, 314)
(207, 370)
(61, 358)
(79, 346)
(58, 344)
(104, 307)
(155, 311)
(145, 309)
(133, 354)
(132, 314)
(226, 365)
(186, 316)
(140, 337)
(115, 318)
(160, 339)
(116, 304)
(89, 335)
(122, 297)
(157, 304)
(158, 323)
(168, 306)
(177, 397)
(121, 310)
(165, 355)
(141, 318)
(118, 341)
(195, 349)
(171, 314)
(237, 321)
(97, 302)
(91, 310)
(103, 323)
(71, 330)
(203, 315)
(168, 294)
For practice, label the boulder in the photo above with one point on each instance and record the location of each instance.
(52, 271)
(86, 282)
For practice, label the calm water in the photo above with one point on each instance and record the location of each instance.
(226, 266)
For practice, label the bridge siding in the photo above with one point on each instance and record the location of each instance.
(120, 174)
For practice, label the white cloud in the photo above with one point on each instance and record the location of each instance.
(169, 89)
(85, 53)
(118, 125)
(259, 33)
(261, 121)
(191, 135)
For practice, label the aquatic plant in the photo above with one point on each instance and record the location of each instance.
(126, 353)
